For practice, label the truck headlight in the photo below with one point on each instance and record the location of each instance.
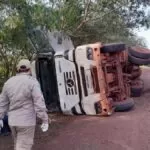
(89, 53)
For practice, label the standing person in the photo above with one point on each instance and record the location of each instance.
(22, 98)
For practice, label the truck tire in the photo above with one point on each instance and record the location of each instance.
(111, 48)
(136, 91)
(125, 105)
(139, 54)
(138, 61)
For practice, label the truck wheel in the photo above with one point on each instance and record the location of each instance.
(136, 91)
(137, 88)
(139, 53)
(125, 105)
(111, 48)
(138, 61)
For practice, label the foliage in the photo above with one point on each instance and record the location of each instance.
(85, 21)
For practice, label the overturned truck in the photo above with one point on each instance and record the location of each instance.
(91, 79)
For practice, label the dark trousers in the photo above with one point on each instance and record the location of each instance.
(5, 130)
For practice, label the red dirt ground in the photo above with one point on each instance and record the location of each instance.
(122, 131)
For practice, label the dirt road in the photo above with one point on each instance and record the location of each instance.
(122, 131)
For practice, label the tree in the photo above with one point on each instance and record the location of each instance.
(85, 21)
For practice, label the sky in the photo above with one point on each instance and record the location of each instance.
(145, 34)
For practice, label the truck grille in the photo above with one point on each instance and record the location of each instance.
(70, 83)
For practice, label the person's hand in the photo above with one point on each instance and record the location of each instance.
(1, 124)
(44, 127)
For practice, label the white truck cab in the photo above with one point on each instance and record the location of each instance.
(69, 77)
(74, 77)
